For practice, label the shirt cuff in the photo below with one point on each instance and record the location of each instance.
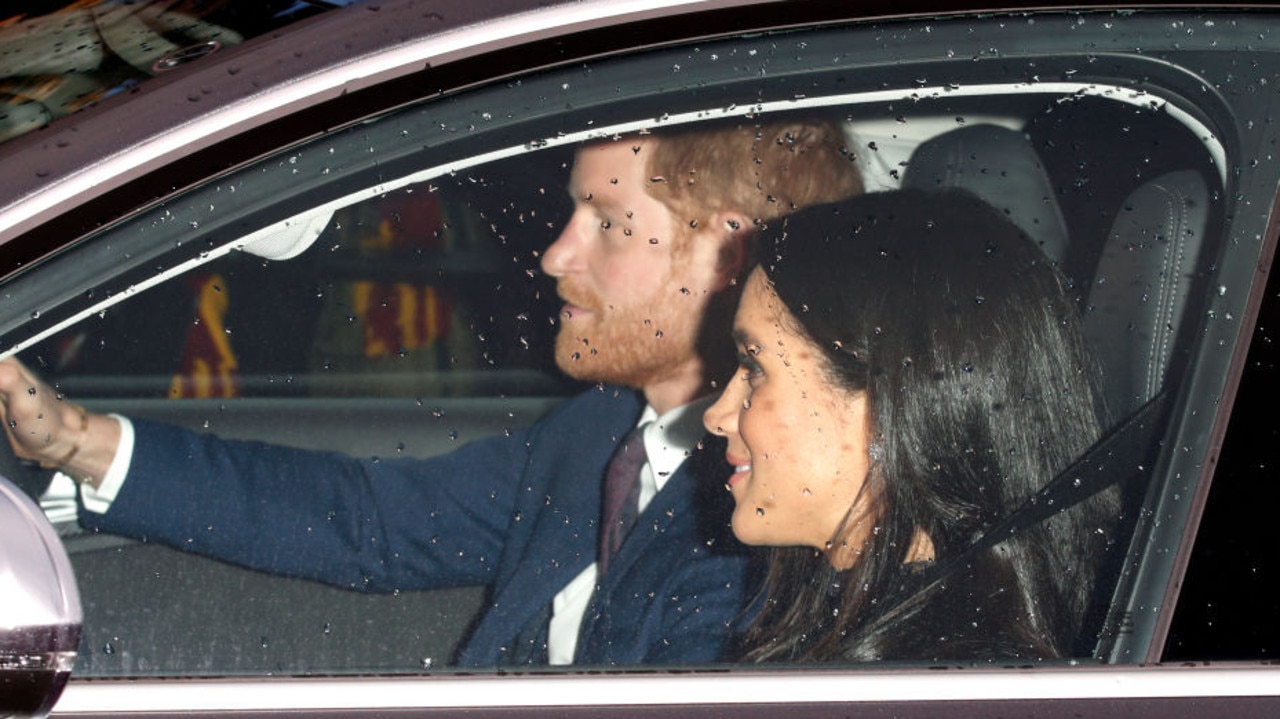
(99, 500)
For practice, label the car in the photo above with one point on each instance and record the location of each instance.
(327, 234)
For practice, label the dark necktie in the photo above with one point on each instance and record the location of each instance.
(621, 495)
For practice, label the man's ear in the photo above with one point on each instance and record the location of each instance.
(734, 232)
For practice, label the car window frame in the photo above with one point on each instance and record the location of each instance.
(1197, 483)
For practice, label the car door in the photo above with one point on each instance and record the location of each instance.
(357, 269)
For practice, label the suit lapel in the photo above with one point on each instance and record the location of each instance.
(562, 505)
(672, 506)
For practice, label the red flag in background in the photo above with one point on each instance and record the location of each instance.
(209, 367)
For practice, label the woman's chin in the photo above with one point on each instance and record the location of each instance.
(750, 529)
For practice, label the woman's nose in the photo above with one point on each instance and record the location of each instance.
(721, 418)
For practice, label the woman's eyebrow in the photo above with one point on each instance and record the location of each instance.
(743, 338)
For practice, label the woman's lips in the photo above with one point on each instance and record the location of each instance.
(741, 468)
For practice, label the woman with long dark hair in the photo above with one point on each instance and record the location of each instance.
(911, 371)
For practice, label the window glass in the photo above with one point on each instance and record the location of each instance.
(425, 291)
(1225, 594)
(411, 316)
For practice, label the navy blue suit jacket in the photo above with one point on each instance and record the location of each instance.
(516, 513)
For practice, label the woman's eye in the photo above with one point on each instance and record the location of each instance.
(750, 368)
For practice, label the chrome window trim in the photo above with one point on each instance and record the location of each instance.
(1130, 96)
(813, 685)
(280, 96)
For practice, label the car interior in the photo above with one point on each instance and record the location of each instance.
(415, 319)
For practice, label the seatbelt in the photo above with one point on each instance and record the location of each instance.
(1116, 458)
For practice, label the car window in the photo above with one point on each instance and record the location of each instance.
(378, 291)
(1218, 607)
(424, 291)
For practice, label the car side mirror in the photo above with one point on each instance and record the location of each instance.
(41, 618)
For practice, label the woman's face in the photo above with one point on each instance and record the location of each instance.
(797, 442)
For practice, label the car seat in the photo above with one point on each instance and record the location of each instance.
(1000, 166)
(1141, 279)
(1139, 293)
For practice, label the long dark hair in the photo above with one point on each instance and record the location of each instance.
(961, 334)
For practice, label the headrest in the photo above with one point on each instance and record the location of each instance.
(1000, 166)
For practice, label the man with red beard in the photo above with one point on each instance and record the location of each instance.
(647, 267)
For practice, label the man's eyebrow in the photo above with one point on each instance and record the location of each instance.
(581, 197)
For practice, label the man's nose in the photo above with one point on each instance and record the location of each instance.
(559, 257)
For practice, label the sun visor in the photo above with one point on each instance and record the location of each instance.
(288, 239)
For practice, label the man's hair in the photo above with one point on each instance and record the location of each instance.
(763, 170)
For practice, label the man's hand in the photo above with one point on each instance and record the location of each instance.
(44, 427)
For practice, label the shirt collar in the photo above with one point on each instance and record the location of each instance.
(669, 439)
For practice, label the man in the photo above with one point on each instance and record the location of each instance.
(647, 266)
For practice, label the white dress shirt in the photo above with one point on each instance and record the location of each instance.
(668, 440)
(63, 489)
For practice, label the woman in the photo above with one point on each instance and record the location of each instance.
(911, 370)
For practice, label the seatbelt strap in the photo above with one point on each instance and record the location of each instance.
(1117, 457)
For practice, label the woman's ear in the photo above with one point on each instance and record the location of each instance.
(921, 549)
